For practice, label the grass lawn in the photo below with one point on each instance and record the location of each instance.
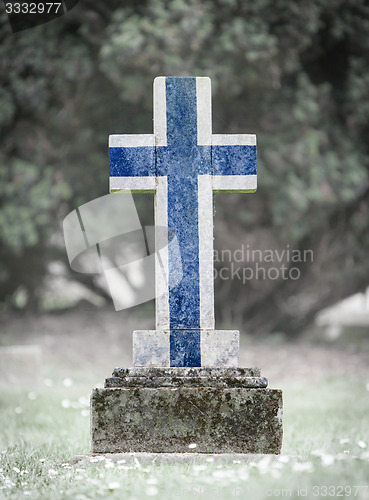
(325, 451)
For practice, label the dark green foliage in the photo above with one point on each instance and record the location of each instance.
(295, 73)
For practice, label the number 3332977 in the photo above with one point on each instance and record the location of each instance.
(33, 8)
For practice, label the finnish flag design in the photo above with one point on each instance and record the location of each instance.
(183, 163)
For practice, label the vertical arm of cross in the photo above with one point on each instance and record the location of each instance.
(182, 129)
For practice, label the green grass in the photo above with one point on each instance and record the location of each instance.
(323, 424)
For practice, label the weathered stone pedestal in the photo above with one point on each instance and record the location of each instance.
(221, 410)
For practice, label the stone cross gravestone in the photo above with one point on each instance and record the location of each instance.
(185, 386)
(183, 162)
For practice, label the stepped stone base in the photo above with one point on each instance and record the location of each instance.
(165, 410)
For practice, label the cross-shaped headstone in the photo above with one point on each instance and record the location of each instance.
(183, 163)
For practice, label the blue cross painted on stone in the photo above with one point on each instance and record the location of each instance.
(183, 163)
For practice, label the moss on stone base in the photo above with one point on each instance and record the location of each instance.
(218, 420)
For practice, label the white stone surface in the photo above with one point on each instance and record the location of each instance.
(132, 183)
(151, 348)
(131, 140)
(161, 262)
(234, 140)
(220, 347)
(237, 183)
(160, 112)
(203, 98)
(206, 253)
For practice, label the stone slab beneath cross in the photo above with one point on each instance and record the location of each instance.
(224, 410)
(153, 347)
(186, 377)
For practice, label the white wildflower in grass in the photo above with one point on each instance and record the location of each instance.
(94, 459)
(303, 467)
(327, 460)
(52, 472)
(152, 491)
(344, 440)
(65, 403)
(199, 467)
(18, 410)
(218, 474)
(264, 464)
(243, 474)
(32, 396)
(109, 465)
(114, 485)
(361, 444)
(84, 402)
(277, 465)
(223, 474)
(15, 469)
(67, 382)
(42, 460)
(8, 483)
(341, 456)
(275, 473)
(318, 453)
(122, 461)
(192, 446)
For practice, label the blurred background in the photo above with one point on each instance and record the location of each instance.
(294, 73)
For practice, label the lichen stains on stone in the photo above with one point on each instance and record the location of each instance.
(165, 420)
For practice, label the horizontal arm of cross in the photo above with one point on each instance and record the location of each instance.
(233, 157)
(132, 162)
(234, 162)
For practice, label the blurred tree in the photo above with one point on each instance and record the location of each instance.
(296, 74)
